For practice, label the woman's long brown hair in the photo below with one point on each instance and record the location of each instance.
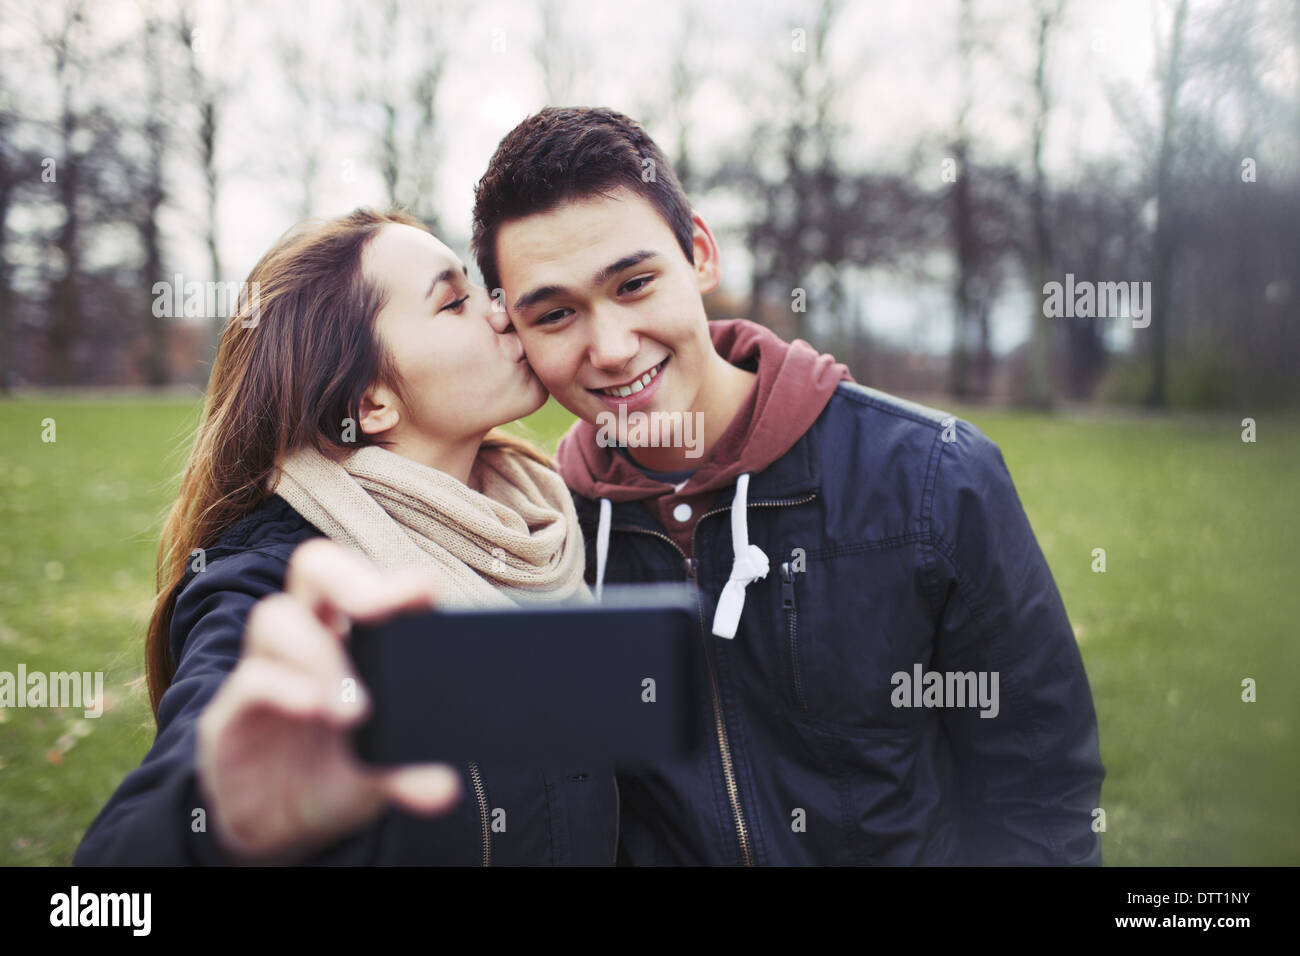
(292, 366)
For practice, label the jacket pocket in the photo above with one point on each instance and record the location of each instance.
(791, 608)
(897, 803)
(846, 624)
(584, 816)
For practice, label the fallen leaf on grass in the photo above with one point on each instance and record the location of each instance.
(68, 739)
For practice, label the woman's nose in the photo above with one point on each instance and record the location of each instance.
(494, 306)
(499, 319)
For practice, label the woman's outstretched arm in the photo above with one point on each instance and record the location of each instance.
(251, 763)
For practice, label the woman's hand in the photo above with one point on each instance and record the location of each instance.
(274, 758)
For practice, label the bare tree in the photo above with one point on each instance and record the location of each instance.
(1230, 241)
(403, 55)
(152, 192)
(300, 74)
(1047, 17)
(813, 222)
(686, 70)
(963, 220)
(1171, 75)
(63, 42)
(1097, 226)
(208, 93)
(387, 100)
(797, 182)
(431, 58)
(9, 178)
(685, 77)
(554, 50)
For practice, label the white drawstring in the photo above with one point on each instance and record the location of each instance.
(749, 564)
(602, 545)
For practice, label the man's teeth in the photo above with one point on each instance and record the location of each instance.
(623, 391)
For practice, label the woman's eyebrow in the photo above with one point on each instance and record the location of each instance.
(446, 275)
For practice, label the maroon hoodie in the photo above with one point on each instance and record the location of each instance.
(794, 383)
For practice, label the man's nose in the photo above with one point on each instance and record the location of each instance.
(613, 344)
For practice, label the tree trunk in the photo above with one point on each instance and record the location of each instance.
(1039, 385)
(6, 298)
(1162, 271)
(157, 366)
(964, 236)
(65, 307)
(208, 149)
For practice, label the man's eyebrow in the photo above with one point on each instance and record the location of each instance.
(627, 262)
(534, 296)
(529, 299)
(446, 275)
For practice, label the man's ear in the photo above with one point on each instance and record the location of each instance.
(708, 263)
(379, 410)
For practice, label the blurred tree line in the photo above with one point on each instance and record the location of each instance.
(112, 121)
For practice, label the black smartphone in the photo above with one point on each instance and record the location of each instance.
(618, 682)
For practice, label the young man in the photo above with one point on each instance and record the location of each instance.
(892, 675)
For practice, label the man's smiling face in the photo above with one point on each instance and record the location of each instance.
(607, 307)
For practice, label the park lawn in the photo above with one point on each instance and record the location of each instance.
(1199, 592)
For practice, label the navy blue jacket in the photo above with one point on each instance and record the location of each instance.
(536, 817)
(897, 546)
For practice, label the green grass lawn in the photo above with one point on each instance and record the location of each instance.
(1200, 591)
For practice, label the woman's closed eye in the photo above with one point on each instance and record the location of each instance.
(456, 304)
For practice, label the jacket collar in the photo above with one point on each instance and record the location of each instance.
(796, 474)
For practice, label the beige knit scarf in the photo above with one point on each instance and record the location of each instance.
(517, 539)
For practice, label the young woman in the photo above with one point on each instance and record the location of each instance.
(352, 407)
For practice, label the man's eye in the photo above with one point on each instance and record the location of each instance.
(455, 306)
(637, 284)
(550, 318)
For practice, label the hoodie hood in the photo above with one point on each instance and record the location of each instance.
(793, 384)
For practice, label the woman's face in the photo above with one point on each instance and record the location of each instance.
(460, 377)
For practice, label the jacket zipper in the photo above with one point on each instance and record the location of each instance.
(481, 793)
(792, 623)
(724, 747)
(618, 818)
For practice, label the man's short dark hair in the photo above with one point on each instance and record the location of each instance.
(560, 155)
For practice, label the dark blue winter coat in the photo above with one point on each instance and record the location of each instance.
(897, 546)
